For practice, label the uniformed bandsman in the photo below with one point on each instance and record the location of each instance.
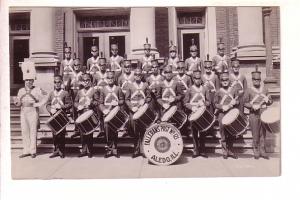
(92, 63)
(110, 96)
(146, 60)
(116, 60)
(220, 60)
(194, 62)
(29, 98)
(224, 100)
(256, 99)
(182, 77)
(173, 58)
(66, 68)
(196, 97)
(100, 76)
(238, 81)
(127, 76)
(136, 96)
(87, 98)
(59, 99)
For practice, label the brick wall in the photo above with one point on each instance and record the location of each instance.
(275, 26)
(59, 31)
(227, 26)
(162, 31)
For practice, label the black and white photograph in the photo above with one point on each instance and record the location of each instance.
(145, 92)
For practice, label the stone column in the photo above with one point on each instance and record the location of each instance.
(173, 25)
(268, 40)
(142, 25)
(210, 32)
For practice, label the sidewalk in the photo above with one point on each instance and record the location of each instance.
(71, 167)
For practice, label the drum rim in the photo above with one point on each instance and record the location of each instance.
(136, 115)
(232, 110)
(168, 111)
(115, 109)
(269, 109)
(191, 115)
(88, 111)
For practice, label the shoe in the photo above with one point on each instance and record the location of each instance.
(136, 154)
(232, 155)
(264, 155)
(33, 155)
(82, 155)
(108, 154)
(54, 154)
(195, 153)
(101, 134)
(61, 154)
(204, 155)
(75, 135)
(24, 155)
(256, 157)
(90, 155)
(117, 155)
(225, 156)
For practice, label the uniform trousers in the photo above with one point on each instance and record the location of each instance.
(258, 133)
(59, 141)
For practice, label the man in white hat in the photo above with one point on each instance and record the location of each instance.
(29, 98)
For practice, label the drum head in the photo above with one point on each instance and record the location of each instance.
(84, 116)
(162, 144)
(194, 116)
(270, 115)
(140, 111)
(111, 114)
(230, 116)
(169, 113)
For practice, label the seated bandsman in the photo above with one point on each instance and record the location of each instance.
(238, 81)
(154, 81)
(146, 60)
(110, 96)
(225, 99)
(137, 95)
(29, 98)
(92, 64)
(127, 76)
(87, 99)
(100, 76)
(76, 84)
(115, 60)
(173, 58)
(194, 62)
(170, 91)
(220, 60)
(182, 78)
(59, 99)
(256, 99)
(66, 68)
(195, 98)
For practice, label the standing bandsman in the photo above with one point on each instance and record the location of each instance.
(66, 68)
(182, 78)
(110, 96)
(92, 63)
(220, 60)
(256, 99)
(127, 76)
(87, 98)
(29, 98)
(224, 100)
(76, 85)
(195, 98)
(194, 62)
(146, 60)
(100, 76)
(173, 59)
(136, 96)
(238, 81)
(116, 60)
(58, 99)
(170, 91)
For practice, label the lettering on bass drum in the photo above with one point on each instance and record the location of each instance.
(162, 144)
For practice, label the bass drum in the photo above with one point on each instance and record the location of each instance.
(162, 144)
(271, 119)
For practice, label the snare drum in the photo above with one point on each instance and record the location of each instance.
(116, 118)
(271, 119)
(202, 118)
(174, 116)
(87, 122)
(234, 122)
(144, 116)
(58, 122)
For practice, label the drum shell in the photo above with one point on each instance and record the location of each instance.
(272, 127)
(88, 126)
(178, 119)
(146, 119)
(58, 122)
(118, 121)
(238, 126)
(205, 121)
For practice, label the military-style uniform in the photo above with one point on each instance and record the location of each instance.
(29, 98)
(59, 99)
(225, 97)
(173, 58)
(185, 80)
(109, 98)
(257, 96)
(146, 60)
(193, 63)
(239, 82)
(136, 95)
(211, 82)
(125, 80)
(85, 100)
(194, 98)
(116, 63)
(220, 61)
(66, 68)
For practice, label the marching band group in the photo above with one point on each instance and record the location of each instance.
(129, 99)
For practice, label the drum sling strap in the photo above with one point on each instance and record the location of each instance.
(226, 96)
(126, 80)
(194, 101)
(259, 95)
(155, 80)
(111, 92)
(94, 65)
(181, 80)
(236, 80)
(114, 62)
(86, 99)
(139, 90)
(209, 81)
(68, 68)
(146, 62)
(168, 88)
